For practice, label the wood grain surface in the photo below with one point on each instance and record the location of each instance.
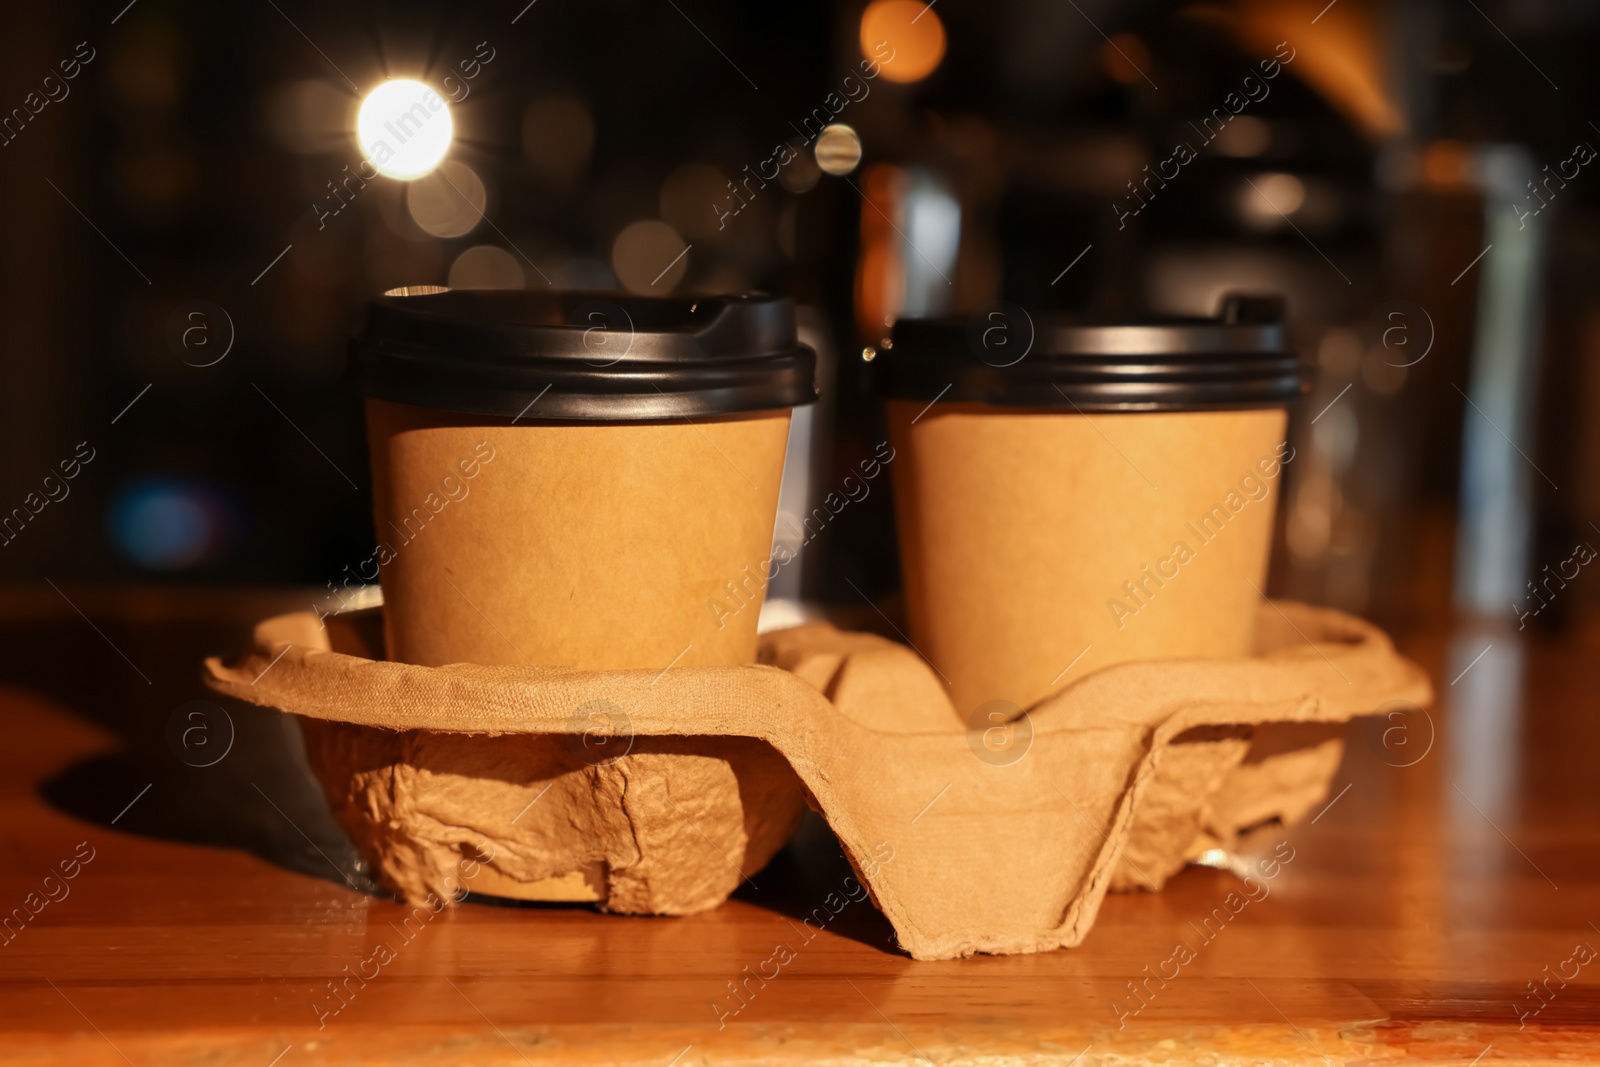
(1441, 909)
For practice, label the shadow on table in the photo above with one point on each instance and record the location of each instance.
(187, 765)
(811, 883)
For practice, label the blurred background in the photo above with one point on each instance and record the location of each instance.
(191, 235)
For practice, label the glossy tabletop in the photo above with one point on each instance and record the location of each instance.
(177, 897)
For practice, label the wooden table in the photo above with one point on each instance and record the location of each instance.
(1454, 873)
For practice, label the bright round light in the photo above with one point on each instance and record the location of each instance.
(838, 149)
(905, 37)
(404, 128)
(1267, 202)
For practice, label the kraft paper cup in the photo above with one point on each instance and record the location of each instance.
(564, 480)
(1070, 497)
(604, 545)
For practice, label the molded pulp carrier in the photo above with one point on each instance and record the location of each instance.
(510, 772)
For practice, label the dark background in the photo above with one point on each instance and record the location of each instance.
(192, 147)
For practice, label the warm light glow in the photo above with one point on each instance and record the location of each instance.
(649, 257)
(404, 128)
(904, 36)
(880, 272)
(1345, 60)
(838, 149)
(449, 202)
(1268, 200)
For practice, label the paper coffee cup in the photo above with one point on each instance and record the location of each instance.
(1069, 497)
(576, 480)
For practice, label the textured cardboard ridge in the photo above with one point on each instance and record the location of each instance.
(961, 854)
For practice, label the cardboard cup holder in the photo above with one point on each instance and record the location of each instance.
(656, 792)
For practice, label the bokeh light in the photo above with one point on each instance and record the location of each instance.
(486, 267)
(1245, 136)
(450, 202)
(838, 149)
(905, 36)
(1268, 199)
(649, 256)
(801, 175)
(404, 128)
(170, 524)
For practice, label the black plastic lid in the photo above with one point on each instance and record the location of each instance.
(1240, 359)
(568, 355)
